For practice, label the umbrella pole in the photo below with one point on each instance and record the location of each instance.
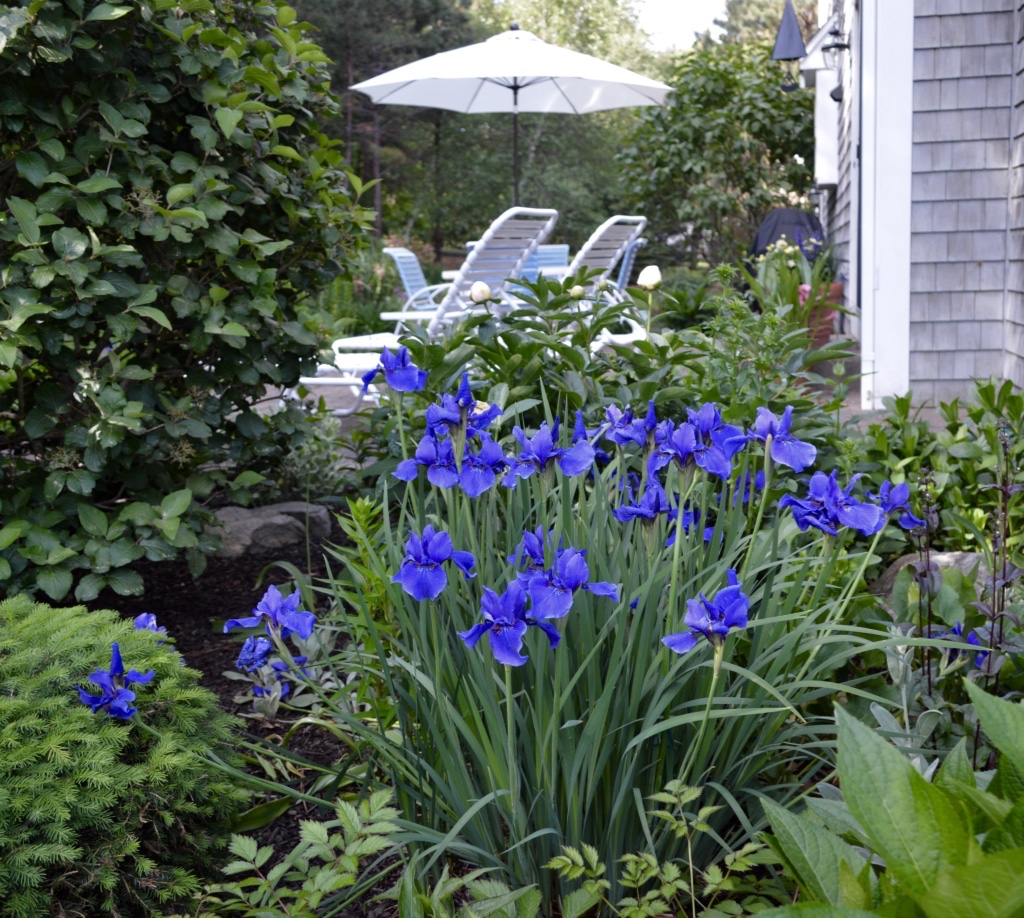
(515, 142)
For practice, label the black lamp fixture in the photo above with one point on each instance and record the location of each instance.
(830, 52)
(789, 45)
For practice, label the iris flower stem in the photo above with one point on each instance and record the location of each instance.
(694, 750)
(677, 548)
(513, 772)
(761, 504)
(650, 309)
(401, 425)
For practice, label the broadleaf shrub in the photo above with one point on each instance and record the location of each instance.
(170, 211)
(99, 816)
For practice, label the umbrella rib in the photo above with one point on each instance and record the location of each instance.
(558, 86)
(398, 88)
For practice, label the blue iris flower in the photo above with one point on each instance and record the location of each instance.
(115, 697)
(540, 451)
(146, 621)
(624, 427)
(421, 574)
(505, 624)
(529, 555)
(712, 618)
(480, 469)
(254, 653)
(896, 499)
(828, 507)
(439, 458)
(281, 615)
(691, 517)
(704, 439)
(400, 373)
(651, 504)
(281, 671)
(785, 449)
(581, 433)
(552, 591)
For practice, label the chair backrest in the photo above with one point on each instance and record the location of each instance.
(409, 271)
(500, 254)
(628, 260)
(546, 256)
(607, 244)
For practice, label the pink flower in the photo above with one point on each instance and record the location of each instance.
(805, 293)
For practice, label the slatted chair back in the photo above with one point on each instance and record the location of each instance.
(627, 262)
(411, 275)
(501, 253)
(607, 244)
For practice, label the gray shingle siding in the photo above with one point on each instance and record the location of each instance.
(967, 76)
(1013, 331)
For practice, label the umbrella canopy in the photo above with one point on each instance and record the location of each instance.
(514, 72)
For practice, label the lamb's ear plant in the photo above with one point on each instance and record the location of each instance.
(896, 844)
(650, 615)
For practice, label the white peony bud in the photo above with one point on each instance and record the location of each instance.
(602, 284)
(650, 278)
(479, 292)
(577, 292)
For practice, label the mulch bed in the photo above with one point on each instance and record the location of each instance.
(193, 611)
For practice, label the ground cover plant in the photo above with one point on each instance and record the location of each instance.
(166, 225)
(102, 813)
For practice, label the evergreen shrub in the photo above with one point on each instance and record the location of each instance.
(100, 816)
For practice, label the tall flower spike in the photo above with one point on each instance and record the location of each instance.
(400, 373)
(712, 618)
(829, 508)
(785, 449)
(115, 697)
(281, 615)
(421, 574)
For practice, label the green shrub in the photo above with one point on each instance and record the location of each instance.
(170, 212)
(97, 815)
(898, 844)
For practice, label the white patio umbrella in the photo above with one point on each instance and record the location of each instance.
(514, 72)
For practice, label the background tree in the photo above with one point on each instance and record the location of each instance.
(728, 147)
(758, 20)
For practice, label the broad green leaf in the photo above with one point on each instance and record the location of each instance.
(287, 152)
(916, 827)
(178, 193)
(70, 243)
(53, 148)
(5, 569)
(97, 184)
(227, 120)
(578, 903)
(234, 328)
(24, 312)
(104, 12)
(93, 520)
(89, 587)
(32, 168)
(1002, 721)
(812, 853)
(956, 768)
(176, 504)
(247, 479)
(992, 887)
(54, 581)
(125, 583)
(262, 815)
(10, 533)
(151, 312)
(25, 213)
(1009, 834)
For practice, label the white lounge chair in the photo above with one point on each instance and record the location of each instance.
(613, 239)
(498, 257)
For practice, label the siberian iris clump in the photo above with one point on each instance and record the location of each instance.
(115, 697)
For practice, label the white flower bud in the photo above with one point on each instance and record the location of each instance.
(602, 284)
(650, 278)
(479, 292)
(577, 292)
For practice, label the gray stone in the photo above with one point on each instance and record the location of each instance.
(965, 561)
(251, 530)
